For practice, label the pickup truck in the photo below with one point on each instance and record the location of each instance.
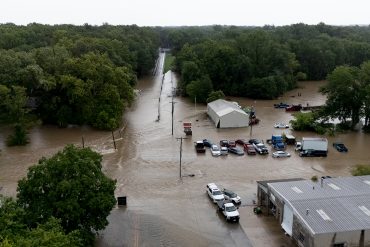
(261, 148)
(229, 210)
(199, 147)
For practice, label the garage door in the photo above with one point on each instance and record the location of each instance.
(287, 224)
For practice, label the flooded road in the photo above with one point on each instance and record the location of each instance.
(164, 210)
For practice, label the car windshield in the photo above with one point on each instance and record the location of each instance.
(217, 193)
(230, 209)
(233, 195)
(215, 148)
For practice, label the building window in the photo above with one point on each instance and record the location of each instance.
(301, 237)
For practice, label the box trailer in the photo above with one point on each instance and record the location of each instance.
(314, 146)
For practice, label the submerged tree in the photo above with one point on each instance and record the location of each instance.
(69, 186)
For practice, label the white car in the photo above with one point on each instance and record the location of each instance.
(281, 126)
(215, 150)
(214, 193)
(279, 154)
(224, 151)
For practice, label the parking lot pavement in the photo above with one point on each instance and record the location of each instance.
(263, 231)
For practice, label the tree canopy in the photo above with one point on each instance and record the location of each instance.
(75, 74)
(69, 186)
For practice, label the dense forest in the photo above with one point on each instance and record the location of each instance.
(67, 74)
(262, 62)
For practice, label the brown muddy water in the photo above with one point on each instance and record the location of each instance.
(164, 210)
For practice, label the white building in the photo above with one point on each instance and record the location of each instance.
(333, 212)
(227, 114)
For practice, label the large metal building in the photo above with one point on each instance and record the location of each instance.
(227, 114)
(332, 212)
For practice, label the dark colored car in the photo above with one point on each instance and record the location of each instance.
(224, 143)
(232, 144)
(294, 108)
(236, 151)
(254, 141)
(249, 149)
(340, 147)
(207, 143)
(281, 105)
(241, 142)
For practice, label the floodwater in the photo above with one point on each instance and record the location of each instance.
(164, 210)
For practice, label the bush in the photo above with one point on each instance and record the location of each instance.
(19, 137)
(361, 170)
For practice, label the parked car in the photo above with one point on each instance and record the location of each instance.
(199, 147)
(224, 143)
(249, 149)
(236, 151)
(241, 141)
(224, 151)
(279, 154)
(207, 143)
(281, 126)
(281, 105)
(340, 147)
(231, 196)
(215, 150)
(254, 141)
(294, 108)
(232, 144)
(229, 210)
(261, 148)
(214, 193)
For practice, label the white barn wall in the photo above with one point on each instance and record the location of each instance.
(234, 119)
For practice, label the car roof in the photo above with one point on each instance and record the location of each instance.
(212, 185)
(228, 191)
(229, 204)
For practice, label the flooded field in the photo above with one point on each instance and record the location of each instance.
(164, 210)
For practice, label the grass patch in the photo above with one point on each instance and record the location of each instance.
(168, 62)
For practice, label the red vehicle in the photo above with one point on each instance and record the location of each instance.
(232, 144)
(241, 141)
(294, 108)
(249, 149)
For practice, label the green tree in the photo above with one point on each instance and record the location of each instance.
(344, 98)
(199, 90)
(69, 186)
(14, 111)
(215, 95)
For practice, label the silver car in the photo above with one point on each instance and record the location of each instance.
(279, 154)
(215, 150)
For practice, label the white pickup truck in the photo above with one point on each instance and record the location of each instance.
(229, 210)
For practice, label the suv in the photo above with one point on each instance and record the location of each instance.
(231, 196)
(214, 193)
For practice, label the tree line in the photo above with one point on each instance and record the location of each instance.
(262, 62)
(67, 74)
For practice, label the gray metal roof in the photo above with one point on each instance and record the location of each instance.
(223, 107)
(341, 204)
(334, 214)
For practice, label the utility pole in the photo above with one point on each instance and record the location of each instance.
(173, 108)
(181, 138)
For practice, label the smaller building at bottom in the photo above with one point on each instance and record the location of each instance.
(331, 212)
